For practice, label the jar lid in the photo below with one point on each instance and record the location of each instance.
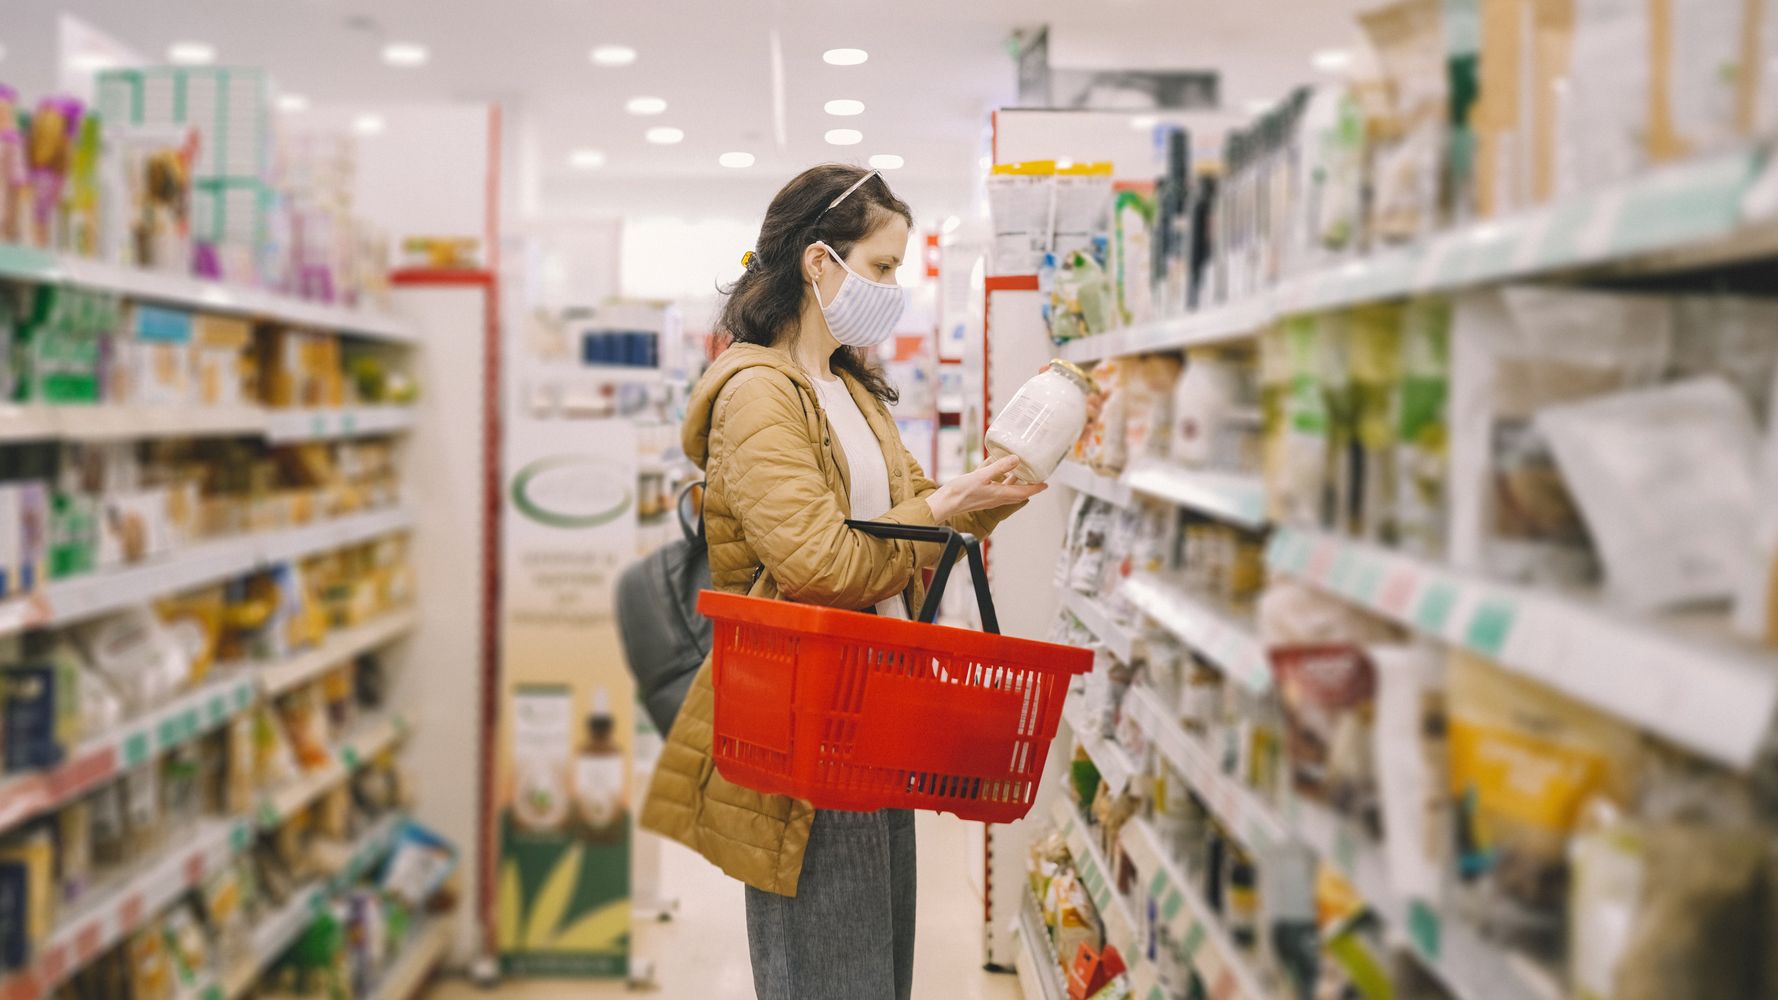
(1074, 371)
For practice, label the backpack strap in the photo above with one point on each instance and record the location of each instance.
(695, 533)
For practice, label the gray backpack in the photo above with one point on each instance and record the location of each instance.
(665, 638)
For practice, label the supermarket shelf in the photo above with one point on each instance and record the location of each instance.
(1702, 690)
(418, 959)
(371, 738)
(336, 649)
(274, 934)
(25, 264)
(1039, 973)
(1238, 809)
(625, 374)
(1447, 946)
(1213, 632)
(121, 422)
(1100, 881)
(1222, 965)
(1212, 326)
(1227, 496)
(1092, 614)
(113, 913)
(103, 758)
(334, 423)
(1691, 214)
(1081, 479)
(1115, 767)
(81, 597)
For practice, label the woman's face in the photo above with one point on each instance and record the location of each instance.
(875, 258)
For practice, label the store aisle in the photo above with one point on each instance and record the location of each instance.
(702, 952)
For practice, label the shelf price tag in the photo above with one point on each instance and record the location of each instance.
(1194, 939)
(218, 710)
(1490, 626)
(1398, 592)
(1423, 927)
(135, 749)
(1436, 602)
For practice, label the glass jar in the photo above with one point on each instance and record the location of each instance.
(1041, 421)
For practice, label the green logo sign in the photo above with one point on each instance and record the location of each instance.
(571, 491)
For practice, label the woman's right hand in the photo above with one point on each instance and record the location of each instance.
(981, 490)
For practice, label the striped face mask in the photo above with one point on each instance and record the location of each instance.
(864, 312)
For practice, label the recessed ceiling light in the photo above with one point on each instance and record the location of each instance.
(845, 108)
(844, 137)
(292, 102)
(586, 159)
(1331, 60)
(368, 125)
(664, 135)
(645, 105)
(191, 53)
(1257, 106)
(1142, 123)
(736, 161)
(844, 57)
(886, 161)
(404, 54)
(951, 224)
(91, 62)
(612, 55)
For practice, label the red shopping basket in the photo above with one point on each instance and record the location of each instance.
(852, 711)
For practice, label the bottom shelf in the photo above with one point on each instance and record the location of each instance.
(422, 954)
(1040, 976)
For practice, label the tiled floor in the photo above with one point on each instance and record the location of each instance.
(701, 954)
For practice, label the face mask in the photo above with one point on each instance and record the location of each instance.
(864, 312)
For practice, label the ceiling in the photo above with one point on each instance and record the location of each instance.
(935, 68)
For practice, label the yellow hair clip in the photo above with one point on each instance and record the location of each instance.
(748, 258)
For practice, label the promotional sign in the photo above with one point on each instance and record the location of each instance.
(565, 797)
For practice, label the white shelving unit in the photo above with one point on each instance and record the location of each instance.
(1100, 880)
(112, 913)
(1690, 214)
(338, 648)
(1225, 968)
(132, 898)
(1697, 687)
(80, 597)
(1215, 632)
(1093, 615)
(37, 266)
(370, 738)
(1039, 973)
(1081, 479)
(275, 933)
(1228, 496)
(1115, 766)
(102, 758)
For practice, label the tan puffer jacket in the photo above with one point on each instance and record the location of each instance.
(778, 498)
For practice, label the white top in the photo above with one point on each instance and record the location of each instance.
(864, 456)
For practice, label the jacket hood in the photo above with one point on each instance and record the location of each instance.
(700, 410)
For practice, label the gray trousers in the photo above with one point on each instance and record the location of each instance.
(848, 933)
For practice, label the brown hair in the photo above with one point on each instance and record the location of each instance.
(766, 301)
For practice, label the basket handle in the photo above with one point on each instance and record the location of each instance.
(952, 540)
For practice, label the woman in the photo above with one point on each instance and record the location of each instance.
(791, 428)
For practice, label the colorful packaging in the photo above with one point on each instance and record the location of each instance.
(1525, 761)
(1328, 695)
(27, 895)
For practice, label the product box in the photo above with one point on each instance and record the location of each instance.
(74, 850)
(134, 526)
(220, 360)
(38, 714)
(155, 359)
(27, 898)
(58, 346)
(9, 541)
(33, 522)
(73, 534)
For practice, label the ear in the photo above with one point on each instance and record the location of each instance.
(814, 262)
